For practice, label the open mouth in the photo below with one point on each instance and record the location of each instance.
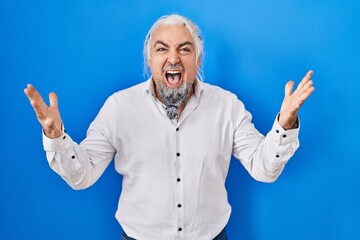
(173, 77)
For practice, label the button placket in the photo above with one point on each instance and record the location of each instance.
(179, 185)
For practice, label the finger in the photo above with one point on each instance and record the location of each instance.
(53, 99)
(309, 74)
(303, 82)
(299, 101)
(288, 88)
(304, 88)
(306, 94)
(36, 100)
(32, 94)
(307, 77)
(29, 91)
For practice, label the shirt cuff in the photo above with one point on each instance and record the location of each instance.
(279, 134)
(55, 144)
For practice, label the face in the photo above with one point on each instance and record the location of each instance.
(172, 57)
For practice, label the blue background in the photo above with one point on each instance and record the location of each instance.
(86, 50)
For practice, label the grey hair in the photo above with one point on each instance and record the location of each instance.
(174, 20)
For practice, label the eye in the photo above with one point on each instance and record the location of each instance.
(161, 49)
(185, 50)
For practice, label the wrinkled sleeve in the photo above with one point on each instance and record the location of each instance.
(264, 157)
(81, 165)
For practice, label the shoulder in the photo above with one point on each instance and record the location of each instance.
(213, 91)
(135, 92)
(125, 96)
(135, 89)
(222, 99)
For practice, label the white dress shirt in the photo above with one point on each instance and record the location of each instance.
(173, 171)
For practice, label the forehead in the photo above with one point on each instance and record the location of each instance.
(172, 35)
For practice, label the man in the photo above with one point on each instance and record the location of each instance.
(172, 137)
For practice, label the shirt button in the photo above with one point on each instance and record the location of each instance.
(64, 136)
(277, 156)
(73, 157)
(178, 154)
(277, 131)
(178, 179)
(180, 229)
(177, 129)
(179, 205)
(284, 136)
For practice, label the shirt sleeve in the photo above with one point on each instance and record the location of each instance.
(264, 157)
(81, 165)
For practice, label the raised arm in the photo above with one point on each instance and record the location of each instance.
(265, 158)
(80, 165)
(48, 116)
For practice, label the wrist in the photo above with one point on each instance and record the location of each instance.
(54, 133)
(289, 124)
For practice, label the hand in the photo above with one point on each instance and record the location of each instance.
(293, 100)
(48, 116)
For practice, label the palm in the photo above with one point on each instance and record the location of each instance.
(293, 100)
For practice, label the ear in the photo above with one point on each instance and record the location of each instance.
(198, 62)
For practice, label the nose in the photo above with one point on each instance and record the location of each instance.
(173, 57)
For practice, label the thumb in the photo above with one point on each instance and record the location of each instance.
(288, 87)
(53, 99)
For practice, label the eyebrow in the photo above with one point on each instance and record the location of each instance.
(184, 44)
(167, 45)
(161, 42)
